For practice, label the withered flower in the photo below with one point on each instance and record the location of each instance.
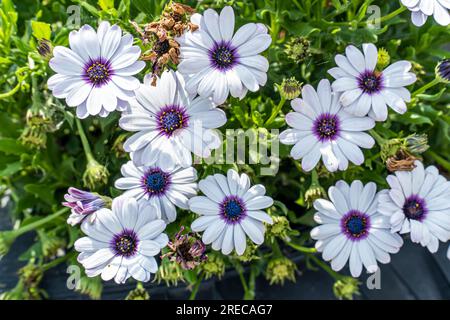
(401, 161)
(187, 250)
(160, 36)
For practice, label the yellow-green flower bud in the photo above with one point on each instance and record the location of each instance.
(383, 58)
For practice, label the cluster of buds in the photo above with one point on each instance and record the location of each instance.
(280, 269)
(400, 154)
(187, 250)
(160, 35)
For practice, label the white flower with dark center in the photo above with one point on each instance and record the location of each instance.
(366, 90)
(230, 211)
(321, 128)
(170, 124)
(418, 203)
(422, 9)
(217, 63)
(351, 228)
(96, 73)
(163, 189)
(122, 242)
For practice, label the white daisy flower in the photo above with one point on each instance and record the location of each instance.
(217, 62)
(163, 189)
(229, 211)
(170, 124)
(421, 9)
(321, 128)
(351, 228)
(122, 242)
(366, 90)
(417, 203)
(96, 73)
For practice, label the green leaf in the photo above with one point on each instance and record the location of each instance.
(11, 168)
(12, 146)
(41, 191)
(41, 30)
(106, 4)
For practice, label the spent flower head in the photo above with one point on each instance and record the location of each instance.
(250, 253)
(279, 229)
(298, 49)
(138, 293)
(280, 269)
(186, 249)
(346, 288)
(214, 266)
(95, 175)
(170, 272)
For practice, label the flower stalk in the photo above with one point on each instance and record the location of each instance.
(7, 238)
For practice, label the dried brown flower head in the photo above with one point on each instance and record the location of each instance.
(160, 36)
(401, 161)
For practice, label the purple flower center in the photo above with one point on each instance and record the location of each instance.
(125, 243)
(172, 118)
(223, 56)
(155, 182)
(415, 208)
(370, 82)
(98, 72)
(232, 209)
(355, 225)
(326, 127)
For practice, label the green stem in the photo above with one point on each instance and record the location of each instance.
(11, 92)
(57, 261)
(84, 141)
(301, 248)
(250, 292)
(275, 112)
(390, 15)
(380, 140)
(243, 281)
(326, 268)
(196, 287)
(440, 160)
(426, 87)
(40, 222)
